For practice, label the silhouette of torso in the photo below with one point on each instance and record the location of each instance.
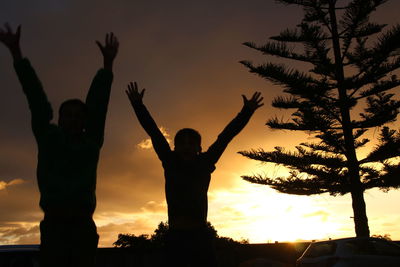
(66, 169)
(186, 186)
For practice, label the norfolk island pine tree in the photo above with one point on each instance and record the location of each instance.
(347, 71)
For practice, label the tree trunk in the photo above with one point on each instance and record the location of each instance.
(360, 215)
(357, 191)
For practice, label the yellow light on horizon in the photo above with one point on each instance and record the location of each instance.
(263, 216)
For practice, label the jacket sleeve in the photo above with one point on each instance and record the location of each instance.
(158, 140)
(97, 103)
(215, 151)
(41, 111)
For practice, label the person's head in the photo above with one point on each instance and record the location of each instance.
(187, 143)
(72, 116)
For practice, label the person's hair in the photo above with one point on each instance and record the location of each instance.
(76, 102)
(191, 133)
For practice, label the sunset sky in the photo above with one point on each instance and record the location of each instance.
(186, 54)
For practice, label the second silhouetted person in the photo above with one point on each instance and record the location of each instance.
(187, 172)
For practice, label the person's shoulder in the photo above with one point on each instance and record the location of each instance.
(205, 159)
(202, 155)
(49, 135)
(206, 155)
(51, 129)
(169, 157)
(54, 128)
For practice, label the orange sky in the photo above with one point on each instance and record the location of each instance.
(185, 53)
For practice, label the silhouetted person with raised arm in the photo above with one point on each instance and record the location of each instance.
(68, 154)
(187, 173)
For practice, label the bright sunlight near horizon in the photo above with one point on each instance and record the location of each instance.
(264, 217)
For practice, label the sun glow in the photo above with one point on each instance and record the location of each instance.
(265, 216)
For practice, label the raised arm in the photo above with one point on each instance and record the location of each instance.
(99, 93)
(38, 104)
(160, 144)
(234, 127)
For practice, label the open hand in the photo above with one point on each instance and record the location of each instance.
(134, 95)
(254, 102)
(11, 39)
(109, 50)
(8, 37)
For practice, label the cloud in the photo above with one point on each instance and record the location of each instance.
(4, 185)
(232, 213)
(19, 233)
(155, 207)
(146, 143)
(390, 224)
(19, 202)
(320, 213)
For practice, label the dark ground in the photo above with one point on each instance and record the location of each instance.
(239, 255)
